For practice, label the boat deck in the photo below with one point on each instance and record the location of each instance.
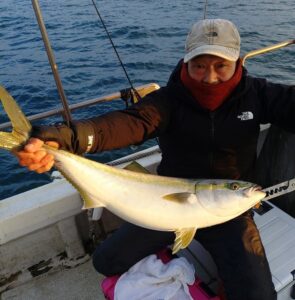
(79, 283)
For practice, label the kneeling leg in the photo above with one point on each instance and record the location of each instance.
(128, 245)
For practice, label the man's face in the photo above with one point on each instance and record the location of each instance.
(211, 69)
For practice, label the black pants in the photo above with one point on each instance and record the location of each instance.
(235, 247)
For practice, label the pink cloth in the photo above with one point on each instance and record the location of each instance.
(196, 290)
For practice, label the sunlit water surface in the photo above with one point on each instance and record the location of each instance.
(149, 36)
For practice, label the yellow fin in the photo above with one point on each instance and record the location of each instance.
(89, 202)
(177, 197)
(136, 167)
(183, 238)
(21, 127)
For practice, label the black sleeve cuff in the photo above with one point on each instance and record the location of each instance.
(59, 133)
(84, 136)
(79, 138)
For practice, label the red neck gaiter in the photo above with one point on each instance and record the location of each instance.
(211, 96)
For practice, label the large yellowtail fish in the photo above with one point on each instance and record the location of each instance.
(155, 202)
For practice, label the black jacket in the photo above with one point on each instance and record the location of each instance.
(195, 143)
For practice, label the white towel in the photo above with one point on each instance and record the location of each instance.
(150, 279)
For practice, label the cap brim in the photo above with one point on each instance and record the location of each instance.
(220, 51)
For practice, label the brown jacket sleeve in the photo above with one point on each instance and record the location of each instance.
(116, 129)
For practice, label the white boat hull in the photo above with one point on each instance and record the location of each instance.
(39, 234)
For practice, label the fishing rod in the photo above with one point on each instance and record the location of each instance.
(66, 110)
(135, 96)
(205, 9)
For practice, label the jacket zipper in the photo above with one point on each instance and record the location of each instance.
(212, 115)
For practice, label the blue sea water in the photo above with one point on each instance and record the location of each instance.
(149, 36)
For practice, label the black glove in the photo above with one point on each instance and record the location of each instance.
(60, 133)
(78, 138)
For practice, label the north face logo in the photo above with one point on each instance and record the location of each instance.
(211, 34)
(246, 115)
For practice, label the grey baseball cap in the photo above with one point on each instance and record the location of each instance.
(213, 36)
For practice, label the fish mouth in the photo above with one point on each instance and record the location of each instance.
(257, 187)
(254, 189)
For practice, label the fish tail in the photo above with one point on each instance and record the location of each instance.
(21, 126)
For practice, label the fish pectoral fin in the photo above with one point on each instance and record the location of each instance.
(183, 238)
(178, 197)
(89, 202)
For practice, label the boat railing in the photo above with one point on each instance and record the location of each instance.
(124, 95)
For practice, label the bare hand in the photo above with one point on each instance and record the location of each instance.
(34, 157)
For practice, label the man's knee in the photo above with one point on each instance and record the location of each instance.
(269, 294)
(102, 263)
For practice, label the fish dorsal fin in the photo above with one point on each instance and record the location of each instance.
(183, 238)
(178, 197)
(136, 167)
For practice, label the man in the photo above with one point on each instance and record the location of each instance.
(207, 119)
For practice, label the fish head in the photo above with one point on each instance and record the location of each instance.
(229, 198)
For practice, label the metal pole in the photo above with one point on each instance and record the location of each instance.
(66, 112)
(267, 49)
(205, 9)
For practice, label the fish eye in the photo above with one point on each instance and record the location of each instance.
(234, 186)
